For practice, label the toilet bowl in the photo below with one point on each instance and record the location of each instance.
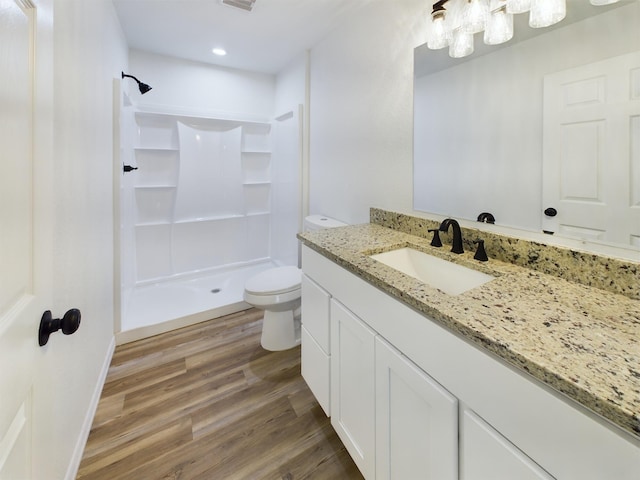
(277, 291)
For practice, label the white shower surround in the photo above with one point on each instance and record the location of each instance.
(205, 216)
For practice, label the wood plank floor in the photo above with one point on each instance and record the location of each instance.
(207, 402)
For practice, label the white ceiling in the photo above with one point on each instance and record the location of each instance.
(263, 40)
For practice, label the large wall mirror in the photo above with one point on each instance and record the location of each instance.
(497, 131)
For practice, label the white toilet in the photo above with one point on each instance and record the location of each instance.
(277, 292)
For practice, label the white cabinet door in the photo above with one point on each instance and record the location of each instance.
(485, 454)
(352, 386)
(416, 421)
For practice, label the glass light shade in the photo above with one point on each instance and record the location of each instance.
(499, 27)
(474, 17)
(599, 3)
(518, 6)
(545, 13)
(461, 44)
(438, 36)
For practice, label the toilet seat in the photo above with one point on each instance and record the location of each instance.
(275, 281)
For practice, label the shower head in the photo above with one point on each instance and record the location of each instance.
(143, 87)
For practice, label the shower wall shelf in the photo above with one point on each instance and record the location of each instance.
(207, 219)
(202, 193)
(158, 149)
(208, 119)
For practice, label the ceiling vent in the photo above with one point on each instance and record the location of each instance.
(243, 4)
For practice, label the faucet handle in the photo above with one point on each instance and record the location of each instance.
(486, 217)
(435, 241)
(481, 254)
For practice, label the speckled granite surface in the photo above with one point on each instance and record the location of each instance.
(580, 340)
(613, 275)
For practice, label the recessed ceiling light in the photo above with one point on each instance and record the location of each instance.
(219, 51)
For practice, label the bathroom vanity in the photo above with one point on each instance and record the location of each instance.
(527, 376)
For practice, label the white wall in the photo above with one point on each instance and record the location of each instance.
(291, 85)
(201, 88)
(290, 159)
(89, 50)
(361, 104)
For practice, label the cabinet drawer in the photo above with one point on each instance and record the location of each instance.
(316, 369)
(315, 312)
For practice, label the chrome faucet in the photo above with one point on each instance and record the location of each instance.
(456, 247)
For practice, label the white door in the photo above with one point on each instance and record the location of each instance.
(25, 254)
(591, 153)
(416, 421)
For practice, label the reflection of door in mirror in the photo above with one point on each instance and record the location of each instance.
(591, 152)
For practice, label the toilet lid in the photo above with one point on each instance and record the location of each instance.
(274, 281)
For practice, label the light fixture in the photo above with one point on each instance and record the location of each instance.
(518, 6)
(453, 22)
(545, 13)
(461, 44)
(474, 16)
(143, 87)
(499, 27)
(221, 52)
(439, 37)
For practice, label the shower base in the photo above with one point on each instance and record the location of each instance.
(168, 305)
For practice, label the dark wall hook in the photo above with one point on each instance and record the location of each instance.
(48, 325)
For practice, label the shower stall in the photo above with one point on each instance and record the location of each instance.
(205, 203)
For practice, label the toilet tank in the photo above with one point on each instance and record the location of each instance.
(320, 222)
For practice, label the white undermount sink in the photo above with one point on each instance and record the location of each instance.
(449, 277)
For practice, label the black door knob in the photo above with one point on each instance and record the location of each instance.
(48, 325)
(550, 212)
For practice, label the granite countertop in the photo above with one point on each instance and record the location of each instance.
(579, 340)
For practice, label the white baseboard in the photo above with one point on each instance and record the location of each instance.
(74, 464)
(139, 333)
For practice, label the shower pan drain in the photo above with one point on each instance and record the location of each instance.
(216, 290)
